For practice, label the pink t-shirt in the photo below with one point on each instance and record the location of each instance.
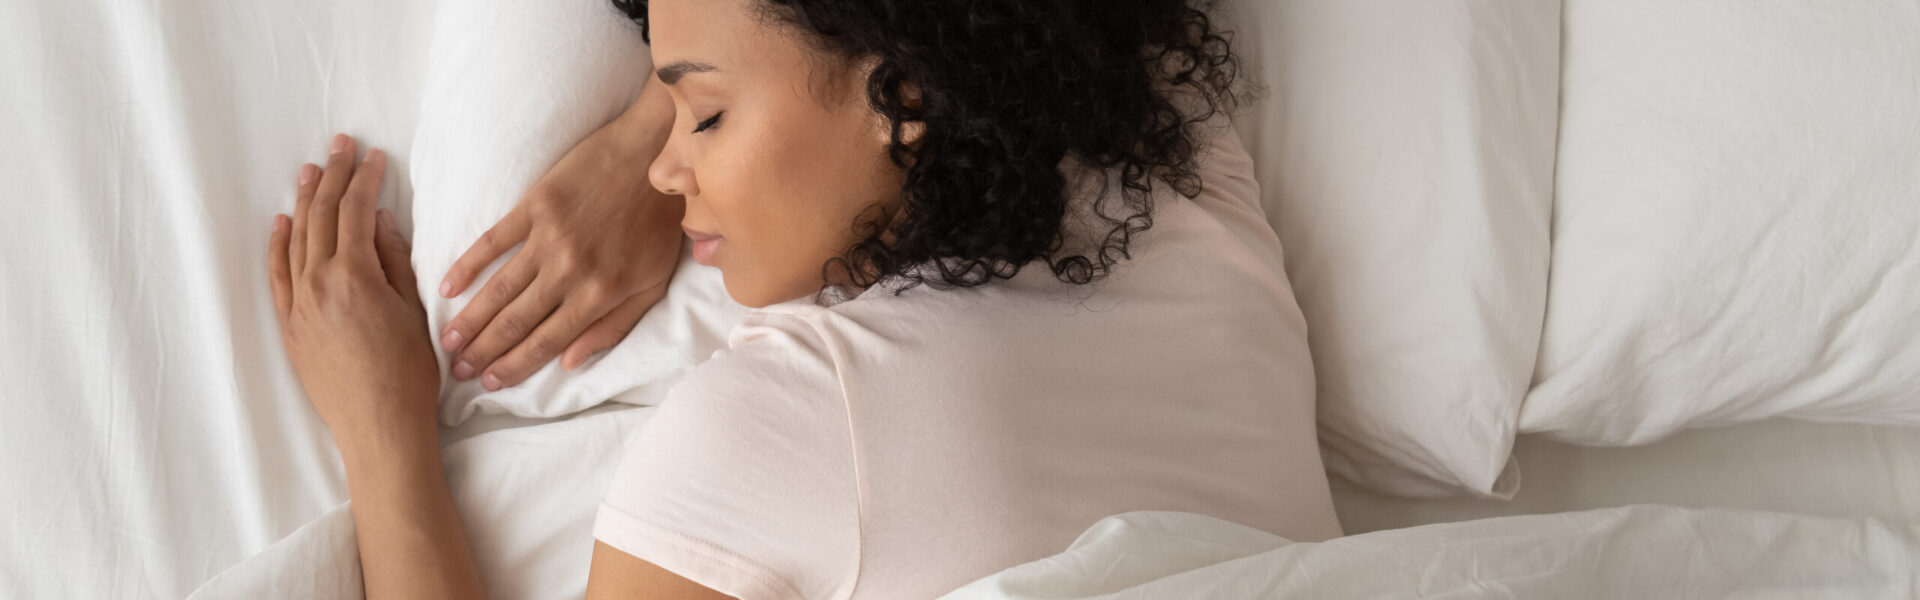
(902, 446)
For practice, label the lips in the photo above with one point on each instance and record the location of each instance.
(704, 245)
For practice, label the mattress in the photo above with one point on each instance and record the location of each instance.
(154, 440)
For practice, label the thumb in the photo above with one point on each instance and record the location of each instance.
(396, 256)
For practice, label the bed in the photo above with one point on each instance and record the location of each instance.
(155, 443)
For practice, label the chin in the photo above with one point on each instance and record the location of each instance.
(754, 294)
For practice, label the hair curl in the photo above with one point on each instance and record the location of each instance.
(1006, 90)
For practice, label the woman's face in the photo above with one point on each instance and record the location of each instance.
(774, 146)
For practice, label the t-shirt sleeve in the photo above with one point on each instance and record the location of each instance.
(743, 480)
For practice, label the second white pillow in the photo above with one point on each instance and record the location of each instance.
(1737, 235)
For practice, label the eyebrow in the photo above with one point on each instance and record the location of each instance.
(672, 73)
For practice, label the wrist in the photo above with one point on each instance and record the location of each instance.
(387, 440)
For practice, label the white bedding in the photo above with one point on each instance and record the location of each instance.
(1736, 219)
(152, 433)
(1632, 552)
(1405, 155)
(153, 439)
(1784, 466)
(527, 494)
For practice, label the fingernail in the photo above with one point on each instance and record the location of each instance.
(451, 341)
(490, 382)
(375, 154)
(308, 173)
(279, 223)
(462, 371)
(446, 289)
(386, 220)
(339, 143)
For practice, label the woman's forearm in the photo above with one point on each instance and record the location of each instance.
(412, 542)
(645, 124)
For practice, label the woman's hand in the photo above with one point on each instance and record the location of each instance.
(357, 333)
(601, 245)
(349, 313)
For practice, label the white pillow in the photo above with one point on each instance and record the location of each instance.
(1737, 233)
(512, 85)
(1406, 149)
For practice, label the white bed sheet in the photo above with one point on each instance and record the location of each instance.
(527, 490)
(151, 432)
(152, 435)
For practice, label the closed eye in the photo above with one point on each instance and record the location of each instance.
(709, 123)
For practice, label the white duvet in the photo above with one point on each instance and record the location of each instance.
(1631, 552)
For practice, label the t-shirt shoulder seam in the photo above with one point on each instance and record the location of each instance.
(853, 443)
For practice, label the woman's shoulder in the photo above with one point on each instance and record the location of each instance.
(771, 352)
(751, 451)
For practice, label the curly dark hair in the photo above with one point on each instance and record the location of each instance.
(1006, 90)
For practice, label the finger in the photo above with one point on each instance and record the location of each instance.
(278, 270)
(545, 344)
(511, 230)
(303, 197)
(357, 206)
(506, 284)
(323, 212)
(506, 330)
(396, 256)
(610, 329)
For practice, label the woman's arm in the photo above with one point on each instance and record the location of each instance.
(356, 332)
(617, 575)
(412, 543)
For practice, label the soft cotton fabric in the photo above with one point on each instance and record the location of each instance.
(900, 446)
(1406, 149)
(152, 431)
(1632, 552)
(1737, 228)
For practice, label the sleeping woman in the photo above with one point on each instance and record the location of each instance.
(1011, 277)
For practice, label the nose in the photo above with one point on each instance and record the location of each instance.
(670, 172)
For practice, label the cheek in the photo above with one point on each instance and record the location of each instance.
(786, 192)
(757, 196)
